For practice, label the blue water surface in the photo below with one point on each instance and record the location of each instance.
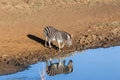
(93, 64)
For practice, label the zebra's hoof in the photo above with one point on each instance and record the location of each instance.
(50, 46)
(45, 45)
(59, 50)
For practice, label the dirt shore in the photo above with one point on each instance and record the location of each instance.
(92, 25)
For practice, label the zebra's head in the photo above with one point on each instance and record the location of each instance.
(69, 40)
(70, 67)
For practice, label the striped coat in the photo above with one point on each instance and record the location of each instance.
(61, 37)
(59, 68)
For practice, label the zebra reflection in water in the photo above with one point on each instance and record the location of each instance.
(59, 68)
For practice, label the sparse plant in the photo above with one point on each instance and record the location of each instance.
(42, 73)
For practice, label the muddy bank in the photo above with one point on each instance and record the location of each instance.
(97, 36)
(21, 25)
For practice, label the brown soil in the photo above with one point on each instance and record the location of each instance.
(92, 24)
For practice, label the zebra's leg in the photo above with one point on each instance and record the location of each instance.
(59, 59)
(62, 60)
(46, 39)
(59, 62)
(63, 45)
(50, 60)
(49, 41)
(59, 46)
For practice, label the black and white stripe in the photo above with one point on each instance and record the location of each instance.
(53, 34)
(59, 68)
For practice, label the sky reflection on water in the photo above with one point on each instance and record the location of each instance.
(93, 64)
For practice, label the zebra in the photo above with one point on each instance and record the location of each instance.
(52, 34)
(59, 68)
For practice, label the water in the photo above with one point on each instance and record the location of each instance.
(93, 64)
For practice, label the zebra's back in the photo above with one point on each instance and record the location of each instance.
(49, 32)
